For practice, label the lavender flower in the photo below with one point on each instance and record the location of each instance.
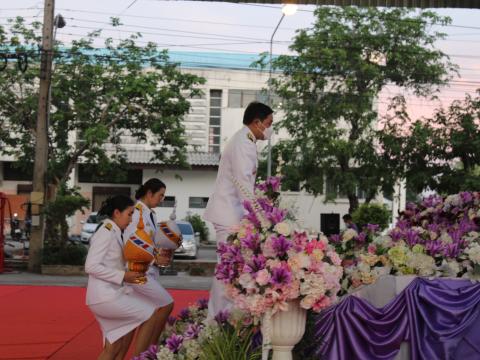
(434, 248)
(174, 343)
(276, 215)
(258, 263)
(251, 216)
(202, 304)
(222, 317)
(361, 238)
(451, 250)
(192, 331)
(412, 238)
(251, 241)
(396, 235)
(372, 228)
(466, 197)
(335, 239)
(184, 314)
(171, 320)
(281, 275)
(281, 245)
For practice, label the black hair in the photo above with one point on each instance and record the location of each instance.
(347, 217)
(152, 185)
(117, 202)
(256, 110)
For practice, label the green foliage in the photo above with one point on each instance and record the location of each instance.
(371, 214)
(69, 254)
(65, 204)
(231, 343)
(98, 96)
(198, 226)
(329, 90)
(441, 153)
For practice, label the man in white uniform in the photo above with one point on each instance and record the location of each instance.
(238, 161)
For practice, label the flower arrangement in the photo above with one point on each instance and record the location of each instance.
(437, 237)
(189, 336)
(268, 262)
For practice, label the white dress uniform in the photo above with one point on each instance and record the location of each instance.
(225, 205)
(116, 307)
(151, 290)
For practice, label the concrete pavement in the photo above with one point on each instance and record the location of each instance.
(180, 281)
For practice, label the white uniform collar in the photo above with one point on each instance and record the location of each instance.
(114, 225)
(250, 134)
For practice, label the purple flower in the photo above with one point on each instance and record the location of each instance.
(412, 238)
(281, 245)
(171, 320)
(403, 224)
(174, 342)
(274, 182)
(222, 317)
(251, 241)
(258, 263)
(192, 331)
(281, 275)
(276, 215)
(434, 247)
(226, 272)
(335, 239)
(466, 197)
(396, 235)
(251, 216)
(373, 228)
(184, 314)
(202, 304)
(432, 201)
(451, 250)
(361, 238)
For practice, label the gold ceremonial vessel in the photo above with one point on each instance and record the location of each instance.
(139, 250)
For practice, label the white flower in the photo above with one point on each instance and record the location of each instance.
(422, 263)
(282, 228)
(165, 354)
(192, 349)
(247, 281)
(473, 252)
(348, 235)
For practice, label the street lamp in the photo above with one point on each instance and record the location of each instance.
(287, 10)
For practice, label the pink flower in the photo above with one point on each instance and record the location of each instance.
(334, 257)
(263, 277)
(315, 245)
(372, 249)
(321, 304)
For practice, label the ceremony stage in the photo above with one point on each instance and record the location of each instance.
(53, 322)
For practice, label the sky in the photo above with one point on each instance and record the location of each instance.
(245, 28)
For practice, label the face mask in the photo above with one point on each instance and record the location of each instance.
(267, 133)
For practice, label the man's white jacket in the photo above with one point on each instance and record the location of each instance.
(238, 160)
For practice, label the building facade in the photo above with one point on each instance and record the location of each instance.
(213, 118)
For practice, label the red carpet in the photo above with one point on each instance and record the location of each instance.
(40, 322)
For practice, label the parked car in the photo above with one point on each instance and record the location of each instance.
(190, 241)
(89, 227)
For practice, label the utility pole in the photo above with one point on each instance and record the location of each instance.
(38, 195)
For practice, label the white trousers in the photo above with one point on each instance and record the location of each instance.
(218, 300)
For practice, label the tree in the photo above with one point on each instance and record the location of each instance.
(98, 96)
(329, 91)
(440, 153)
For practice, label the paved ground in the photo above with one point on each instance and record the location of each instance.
(180, 281)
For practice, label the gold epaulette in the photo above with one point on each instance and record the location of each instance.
(251, 137)
(138, 206)
(108, 226)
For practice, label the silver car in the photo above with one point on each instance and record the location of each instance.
(190, 241)
(89, 228)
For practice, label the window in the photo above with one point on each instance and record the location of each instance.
(241, 98)
(215, 121)
(168, 202)
(92, 174)
(100, 194)
(13, 172)
(197, 202)
(185, 229)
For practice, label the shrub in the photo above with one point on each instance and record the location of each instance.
(198, 226)
(69, 254)
(371, 214)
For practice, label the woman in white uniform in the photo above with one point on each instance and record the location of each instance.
(149, 196)
(118, 309)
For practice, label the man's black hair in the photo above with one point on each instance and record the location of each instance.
(347, 217)
(256, 110)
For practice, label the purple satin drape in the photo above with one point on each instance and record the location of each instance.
(439, 318)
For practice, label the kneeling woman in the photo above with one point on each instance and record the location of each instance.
(117, 308)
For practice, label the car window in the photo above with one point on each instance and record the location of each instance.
(92, 219)
(186, 229)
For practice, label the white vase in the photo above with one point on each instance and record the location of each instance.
(287, 330)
